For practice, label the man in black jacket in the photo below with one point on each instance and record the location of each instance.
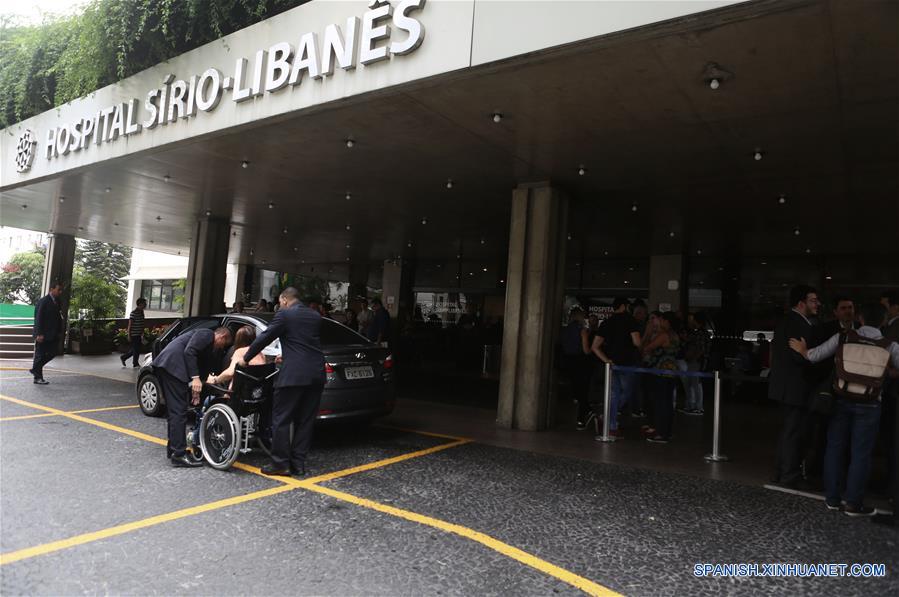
(47, 327)
(299, 385)
(789, 381)
(181, 367)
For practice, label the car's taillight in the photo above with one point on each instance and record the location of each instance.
(388, 362)
(329, 368)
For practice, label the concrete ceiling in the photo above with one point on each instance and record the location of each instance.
(815, 88)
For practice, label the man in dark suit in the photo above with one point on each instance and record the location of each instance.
(789, 383)
(181, 367)
(47, 328)
(299, 385)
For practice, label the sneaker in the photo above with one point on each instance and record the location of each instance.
(657, 439)
(41, 382)
(833, 506)
(857, 511)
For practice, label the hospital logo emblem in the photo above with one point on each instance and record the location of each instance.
(25, 150)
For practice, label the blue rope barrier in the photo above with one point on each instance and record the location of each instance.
(663, 371)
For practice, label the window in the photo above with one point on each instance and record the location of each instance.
(163, 295)
(334, 334)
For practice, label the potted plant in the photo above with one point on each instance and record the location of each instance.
(121, 340)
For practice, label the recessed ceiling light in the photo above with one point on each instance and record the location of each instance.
(796, 231)
(606, 253)
(808, 250)
(271, 205)
(284, 230)
(348, 196)
(348, 245)
(497, 117)
(581, 170)
(409, 244)
(483, 241)
(245, 164)
(699, 251)
(782, 199)
(350, 143)
(449, 183)
(569, 236)
(757, 156)
(348, 227)
(714, 84)
(828, 277)
(671, 234)
(424, 221)
(295, 249)
(484, 269)
(634, 207)
(252, 252)
(208, 212)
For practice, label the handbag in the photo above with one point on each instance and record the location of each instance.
(822, 399)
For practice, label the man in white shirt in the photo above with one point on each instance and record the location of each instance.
(854, 424)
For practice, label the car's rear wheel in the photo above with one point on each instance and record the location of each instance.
(149, 396)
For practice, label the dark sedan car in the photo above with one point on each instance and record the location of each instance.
(358, 373)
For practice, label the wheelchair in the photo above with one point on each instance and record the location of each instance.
(227, 420)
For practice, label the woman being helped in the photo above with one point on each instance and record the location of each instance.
(242, 341)
(661, 353)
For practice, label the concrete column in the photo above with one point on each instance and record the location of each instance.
(396, 286)
(207, 267)
(533, 313)
(667, 282)
(58, 265)
(358, 281)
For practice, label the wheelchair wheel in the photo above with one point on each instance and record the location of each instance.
(220, 436)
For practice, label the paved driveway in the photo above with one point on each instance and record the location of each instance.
(88, 504)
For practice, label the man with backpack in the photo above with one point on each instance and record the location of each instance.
(862, 361)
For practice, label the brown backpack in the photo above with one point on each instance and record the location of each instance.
(861, 366)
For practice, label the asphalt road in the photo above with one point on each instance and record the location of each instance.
(89, 504)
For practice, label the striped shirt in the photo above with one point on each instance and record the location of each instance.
(137, 323)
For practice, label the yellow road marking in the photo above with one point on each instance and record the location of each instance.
(38, 550)
(75, 417)
(310, 484)
(585, 585)
(385, 462)
(55, 370)
(71, 412)
(427, 433)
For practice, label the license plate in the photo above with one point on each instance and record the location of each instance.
(358, 372)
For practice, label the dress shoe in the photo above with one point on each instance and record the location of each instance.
(184, 461)
(123, 359)
(271, 469)
(41, 382)
(298, 471)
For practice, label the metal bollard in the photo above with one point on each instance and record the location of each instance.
(716, 455)
(607, 406)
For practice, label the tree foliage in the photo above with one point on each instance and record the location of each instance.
(68, 57)
(93, 297)
(20, 279)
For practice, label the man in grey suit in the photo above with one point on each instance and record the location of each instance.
(299, 385)
(181, 367)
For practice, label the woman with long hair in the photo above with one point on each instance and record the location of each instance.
(242, 340)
